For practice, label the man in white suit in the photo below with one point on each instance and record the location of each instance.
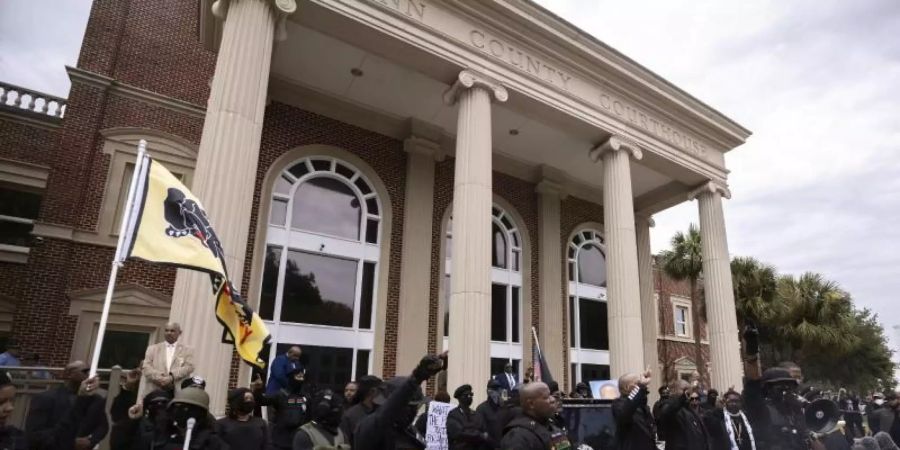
(166, 363)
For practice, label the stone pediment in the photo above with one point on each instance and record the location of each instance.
(127, 298)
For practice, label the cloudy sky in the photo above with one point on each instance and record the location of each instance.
(816, 188)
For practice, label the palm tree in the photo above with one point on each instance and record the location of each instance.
(755, 286)
(684, 261)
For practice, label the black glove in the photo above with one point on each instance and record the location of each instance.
(751, 339)
(428, 367)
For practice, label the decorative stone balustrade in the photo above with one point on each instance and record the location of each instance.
(16, 97)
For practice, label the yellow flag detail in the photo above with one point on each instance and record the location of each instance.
(172, 228)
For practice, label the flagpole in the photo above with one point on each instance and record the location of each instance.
(124, 232)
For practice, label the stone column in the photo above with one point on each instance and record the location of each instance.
(551, 329)
(626, 353)
(649, 308)
(415, 267)
(470, 285)
(225, 175)
(724, 340)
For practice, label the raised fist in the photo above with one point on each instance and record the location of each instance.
(428, 367)
(136, 411)
(751, 339)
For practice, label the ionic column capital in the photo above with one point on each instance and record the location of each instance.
(280, 8)
(648, 220)
(614, 144)
(711, 187)
(468, 79)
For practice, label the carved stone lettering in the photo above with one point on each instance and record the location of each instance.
(519, 58)
(411, 8)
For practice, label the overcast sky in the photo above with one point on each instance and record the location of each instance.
(817, 186)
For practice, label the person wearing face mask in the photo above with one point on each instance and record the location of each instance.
(322, 431)
(240, 429)
(465, 430)
(729, 428)
(146, 424)
(887, 418)
(489, 413)
(288, 408)
(635, 429)
(389, 426)
(679, 417)
(192, 403)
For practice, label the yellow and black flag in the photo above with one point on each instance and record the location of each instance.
(171, 227)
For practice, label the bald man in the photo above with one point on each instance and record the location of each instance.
(635, 429)
(683, 427)
(166, 363)
(532, 428)
(71, 416)
(282, 367)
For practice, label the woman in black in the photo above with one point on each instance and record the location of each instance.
(240, 428)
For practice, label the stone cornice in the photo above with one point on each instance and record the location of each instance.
(615, 143)
(135, 93)
(468, 79)
(30, 118)
(710, 187)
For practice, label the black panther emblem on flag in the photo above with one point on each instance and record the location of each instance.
(187, 218)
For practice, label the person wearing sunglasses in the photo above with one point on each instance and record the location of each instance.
(680, 418)
(71, 416)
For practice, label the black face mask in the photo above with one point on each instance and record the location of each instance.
(181, 413)
(245, 406)
(465, 400)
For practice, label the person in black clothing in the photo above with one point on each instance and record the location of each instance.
(887, 418)
(390, 425)
(729, 429)
(465, 430)
(683, 426)
(532, 429)
(849, 406)
(772, 403)
(11, 438)
(72, 416)
(635, 428)
(288, 407)
(192, 404)
(489, 413)
(127, 397)
(240, 429)
(712, 396)
(367, 388)
(322, 430)
(663, 396)
(146, 425)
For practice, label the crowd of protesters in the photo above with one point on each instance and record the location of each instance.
(163, 405)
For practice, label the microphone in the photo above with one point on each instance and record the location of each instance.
(190, 430)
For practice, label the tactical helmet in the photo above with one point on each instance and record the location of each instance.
(192, 396)
(777, 375)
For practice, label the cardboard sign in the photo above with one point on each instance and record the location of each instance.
(436, 430)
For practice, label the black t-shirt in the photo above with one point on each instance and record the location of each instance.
(252, 434)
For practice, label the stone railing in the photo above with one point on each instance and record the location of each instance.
(18, 98)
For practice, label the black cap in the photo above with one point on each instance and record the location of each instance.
(392, 385)
(158, 395)
(462, 390)
(237, 394)
(774, 375)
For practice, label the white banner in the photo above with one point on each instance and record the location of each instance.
(436, 430)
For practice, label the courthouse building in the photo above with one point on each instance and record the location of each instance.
(388, 178)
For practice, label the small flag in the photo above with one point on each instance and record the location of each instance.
(541, 370)
(172, 228)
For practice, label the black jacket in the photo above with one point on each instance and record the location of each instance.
(377, 431)
(351, 419)
(524, 433)
(660, 431)
(289, 415)
(635, 429)
(12, 438)
(489, 414)
(769, 420)
(58, 416)
(465, 430)
(683, 427)
(718, 433)
(139, 434)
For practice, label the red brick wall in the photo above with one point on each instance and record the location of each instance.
(668, 350)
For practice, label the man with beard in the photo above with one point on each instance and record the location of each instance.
(389, 427)
(635, 429)
(729, 429)
(240, 429)
(288, 408)
(489, 413)
(465, 430)
(367, 388)
(532, 429)
(350, 392)
(679, 417)
(322, 431)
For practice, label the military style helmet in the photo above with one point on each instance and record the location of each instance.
(777, 375)
(192, 396)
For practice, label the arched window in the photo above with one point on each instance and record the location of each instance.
(588, 332)
(506, 290)
(319, 277)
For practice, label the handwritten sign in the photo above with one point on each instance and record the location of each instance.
(436, 430)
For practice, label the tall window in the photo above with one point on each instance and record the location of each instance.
(506, 290)
(681, 312)
(319, 277)
(588, 332)
(19, 208)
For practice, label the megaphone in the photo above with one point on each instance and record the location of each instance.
(822, 416)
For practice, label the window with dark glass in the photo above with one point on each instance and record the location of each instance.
(326, 205)
(593, 326)
(592, 372)
(18, 210)
(318, 289)
(326, 367)
(269, 289)
(498, 312)
(498, 256)
(123, 348)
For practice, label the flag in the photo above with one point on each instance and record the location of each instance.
(171, 227)
(541, 370)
